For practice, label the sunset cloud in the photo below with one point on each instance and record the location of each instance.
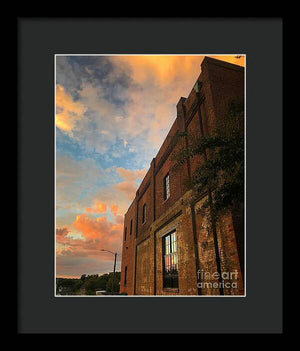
(96, 234)
(162, 68)
(128, 188)
(68, 111)
(98, 228)
(99, 207)
(114, 209)
(131, 175)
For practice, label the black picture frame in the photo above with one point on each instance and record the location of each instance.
(39, 39)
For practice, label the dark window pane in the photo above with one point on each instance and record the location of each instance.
(125, 276)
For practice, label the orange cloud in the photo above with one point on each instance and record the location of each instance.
(99, 207)
(69, 111)
(131, 175)
(96, 234)
(114, 209)
(163, 68)
(129, 188)
(99, 228)
(61, 235)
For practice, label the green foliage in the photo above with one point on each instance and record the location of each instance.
(116, 280)
(88, 284)
(222, 172)
(78, 284)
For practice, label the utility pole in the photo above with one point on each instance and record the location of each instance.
(115, 262)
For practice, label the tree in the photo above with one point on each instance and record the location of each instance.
(113, 282)
(77, 285)
(90, 286)
(222, 172)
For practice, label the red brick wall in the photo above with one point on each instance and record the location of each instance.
(166, 142)
(223, 82)
(144, 267)
(128, 251)
(177, 188)
(193, 130)
(145, 199)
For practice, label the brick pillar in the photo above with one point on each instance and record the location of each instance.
(181, 119)
(154, 217)
(134, 246)
(181, 114)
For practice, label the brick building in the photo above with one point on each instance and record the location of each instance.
(166, 248)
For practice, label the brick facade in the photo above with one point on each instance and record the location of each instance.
(197, 249)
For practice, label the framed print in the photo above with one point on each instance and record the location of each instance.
(148, 182)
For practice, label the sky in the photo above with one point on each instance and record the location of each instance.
(112, 115)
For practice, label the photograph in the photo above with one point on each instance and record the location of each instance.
(150, 165)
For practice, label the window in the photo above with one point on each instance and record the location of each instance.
(130, 228)
(144, 214)
(125, 276)
(125, 234)
(170, 261)
(166, 187)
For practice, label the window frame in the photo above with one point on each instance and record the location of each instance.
(125, 234)
(167, 194)
(174, 280)
(130, 231)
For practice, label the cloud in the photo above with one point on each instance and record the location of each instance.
(96, 234)
(98, 228)
(157, 83)
(77, 181)
(128, 188)
(114, 209)
(62, 232)
(134, 101)
(99, 207)
(74, 266)
(61, 235)
(131, 175)
(68, 110)
(127, 98)
(162, 68)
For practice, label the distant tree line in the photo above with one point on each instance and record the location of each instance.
(89, 284)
